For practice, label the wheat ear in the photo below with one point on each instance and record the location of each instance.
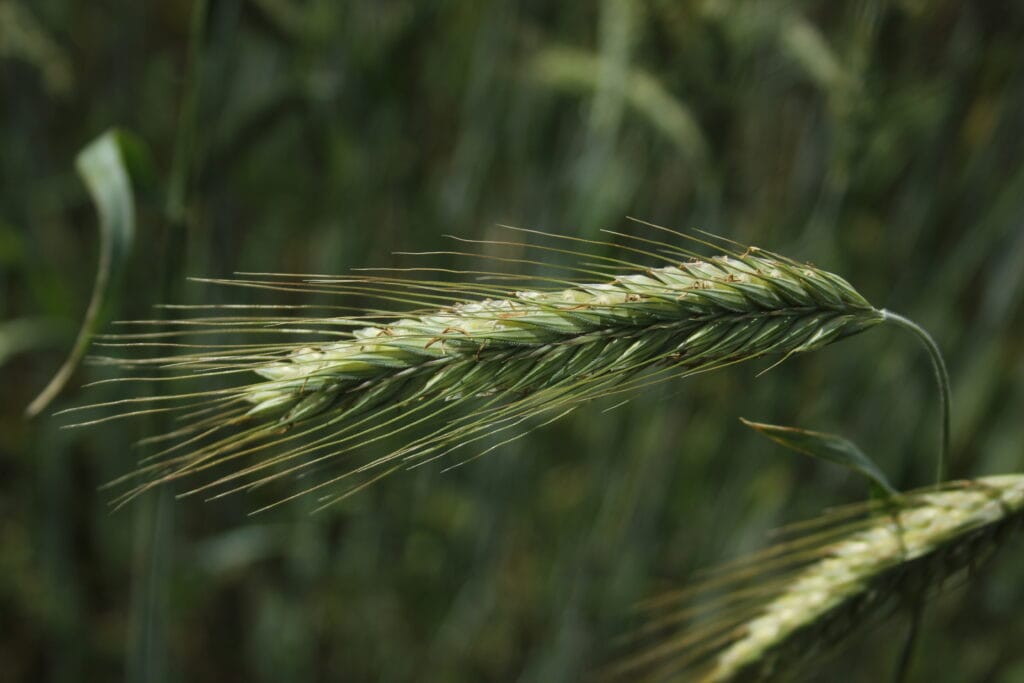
(510, 355)
(765, 618)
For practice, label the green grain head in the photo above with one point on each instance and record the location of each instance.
(475, 362)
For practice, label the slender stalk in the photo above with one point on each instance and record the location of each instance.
(941, 378)
(147, 655)
(184, 143)
(907, 653)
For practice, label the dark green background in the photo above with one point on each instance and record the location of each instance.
(881, 140)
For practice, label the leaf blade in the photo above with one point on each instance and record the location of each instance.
(830, 447)
(101, 165)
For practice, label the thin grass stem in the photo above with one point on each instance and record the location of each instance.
(941, 379)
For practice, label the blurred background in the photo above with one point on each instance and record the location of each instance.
(881, 140)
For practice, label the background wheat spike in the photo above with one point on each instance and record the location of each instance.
(509, 356)
(767, 616)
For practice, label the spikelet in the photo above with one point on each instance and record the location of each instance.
(508, 356)
(766, 617)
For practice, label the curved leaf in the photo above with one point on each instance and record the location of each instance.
(102, 167)
(829, 447)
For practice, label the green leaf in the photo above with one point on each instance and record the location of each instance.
(825, 446)
(25, 334)
(102, 167)
(571, 69)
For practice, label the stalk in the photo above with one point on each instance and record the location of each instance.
(941, 380)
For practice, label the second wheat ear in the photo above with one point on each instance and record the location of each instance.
(469, 362)
(767, 616)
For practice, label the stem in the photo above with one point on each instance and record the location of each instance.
(907, 653)
(184, 144)
(941, 378)
(147, 657)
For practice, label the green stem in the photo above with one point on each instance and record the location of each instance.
(907, 653)
(941, 378)
(184, 144)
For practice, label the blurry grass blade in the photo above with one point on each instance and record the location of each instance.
(23, 37)
(577, 70)
(102, 168)
(829, 447)
(617, 38)
(24, 334)
(287, 17)
(808, 48)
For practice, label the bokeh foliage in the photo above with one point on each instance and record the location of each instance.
(881, 140)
